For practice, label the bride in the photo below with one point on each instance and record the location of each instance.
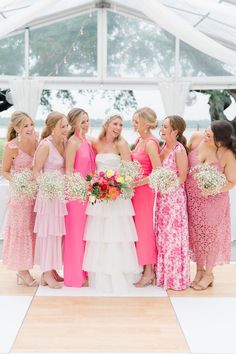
(110, 255)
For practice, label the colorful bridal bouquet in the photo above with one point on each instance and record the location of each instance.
(51, 185)
(208, 179)
(163, 180)
(75, 187)
(23, 185)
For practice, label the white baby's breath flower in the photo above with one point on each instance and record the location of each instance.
(208, 179)
(92, 199)
(51, 185)
(75, 187)
(132, 169)
(163, 180)
(22, 185)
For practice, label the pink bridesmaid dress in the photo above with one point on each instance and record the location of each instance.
(143, 202)
(171, 228)
(75, 222)
(50, 218)
(209, 222)
(19, 238)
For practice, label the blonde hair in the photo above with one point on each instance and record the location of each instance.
(178, 123)
(74, 118)
(51, 121)
(149, 116)
(105, 124)
(17, 119)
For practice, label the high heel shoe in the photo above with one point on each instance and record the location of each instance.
(206, 282)
(57, 276)
(52, 283)
(199, 275)
(145, 281)
(20, 280)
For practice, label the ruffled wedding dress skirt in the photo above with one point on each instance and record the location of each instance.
(110, 255)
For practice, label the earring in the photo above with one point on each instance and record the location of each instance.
(18, 138)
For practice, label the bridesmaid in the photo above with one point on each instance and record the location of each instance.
(50, 223)
(146, 152)
(171, 219)
(209, 217)
(19, 239)
(80, 157)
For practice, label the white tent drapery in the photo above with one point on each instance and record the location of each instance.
(173, 95)
(26, 95)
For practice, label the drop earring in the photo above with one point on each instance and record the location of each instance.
(18, 138)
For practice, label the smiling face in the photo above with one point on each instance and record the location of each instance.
(84, 124)
(166, 131)
(209, 136)
(61, 128)
(114, 128)
(26, 128)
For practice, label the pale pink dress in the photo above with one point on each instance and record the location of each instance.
(74, 244)
(50, 218)
(171, 228)
(143, 202)
(209, 222)
(19, 239)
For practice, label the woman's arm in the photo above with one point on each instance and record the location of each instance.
(230, 173)
(124, 150)
(40, 158)
(8, 156)
(182, 165)
(71, 148)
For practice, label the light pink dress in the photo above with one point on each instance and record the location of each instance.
(143, 202)
(209, 222)
(19, 239)
(50, 218)
(74, 244)
(171, 228)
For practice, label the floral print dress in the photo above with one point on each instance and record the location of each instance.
(171, 229)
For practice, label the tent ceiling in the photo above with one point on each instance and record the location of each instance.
(220, 27)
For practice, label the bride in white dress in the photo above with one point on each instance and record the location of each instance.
(110, 254)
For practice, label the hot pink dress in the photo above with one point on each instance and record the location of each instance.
(19, 239)
(143, 202)
(209, 222)
(74, 244)
(50, 218)
(171, 228)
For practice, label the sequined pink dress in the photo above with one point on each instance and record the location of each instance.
(50, 218)
(74, 244)
(171, 229)
(143, 201)
(209, 222)
(19, 239)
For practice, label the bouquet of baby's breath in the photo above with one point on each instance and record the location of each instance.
(75, 187)
(23, 186)
(163, 180)
(208, 178)
(51, 185)
(131, 170)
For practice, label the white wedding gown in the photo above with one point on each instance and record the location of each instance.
(110, 255)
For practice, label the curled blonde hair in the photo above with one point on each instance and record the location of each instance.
(74, 119)
(105, 124)
(149, 116)
(51, 121)
(17, 119)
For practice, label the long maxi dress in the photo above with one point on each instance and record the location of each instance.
(209, 222)
(19, 237)
(171, 229)
(110, 256)
(74, 244)
(50, 218)
(143, 203)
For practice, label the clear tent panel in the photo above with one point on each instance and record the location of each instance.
(138, 49)
(195, 63)
(12, 55)
(65, 48)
